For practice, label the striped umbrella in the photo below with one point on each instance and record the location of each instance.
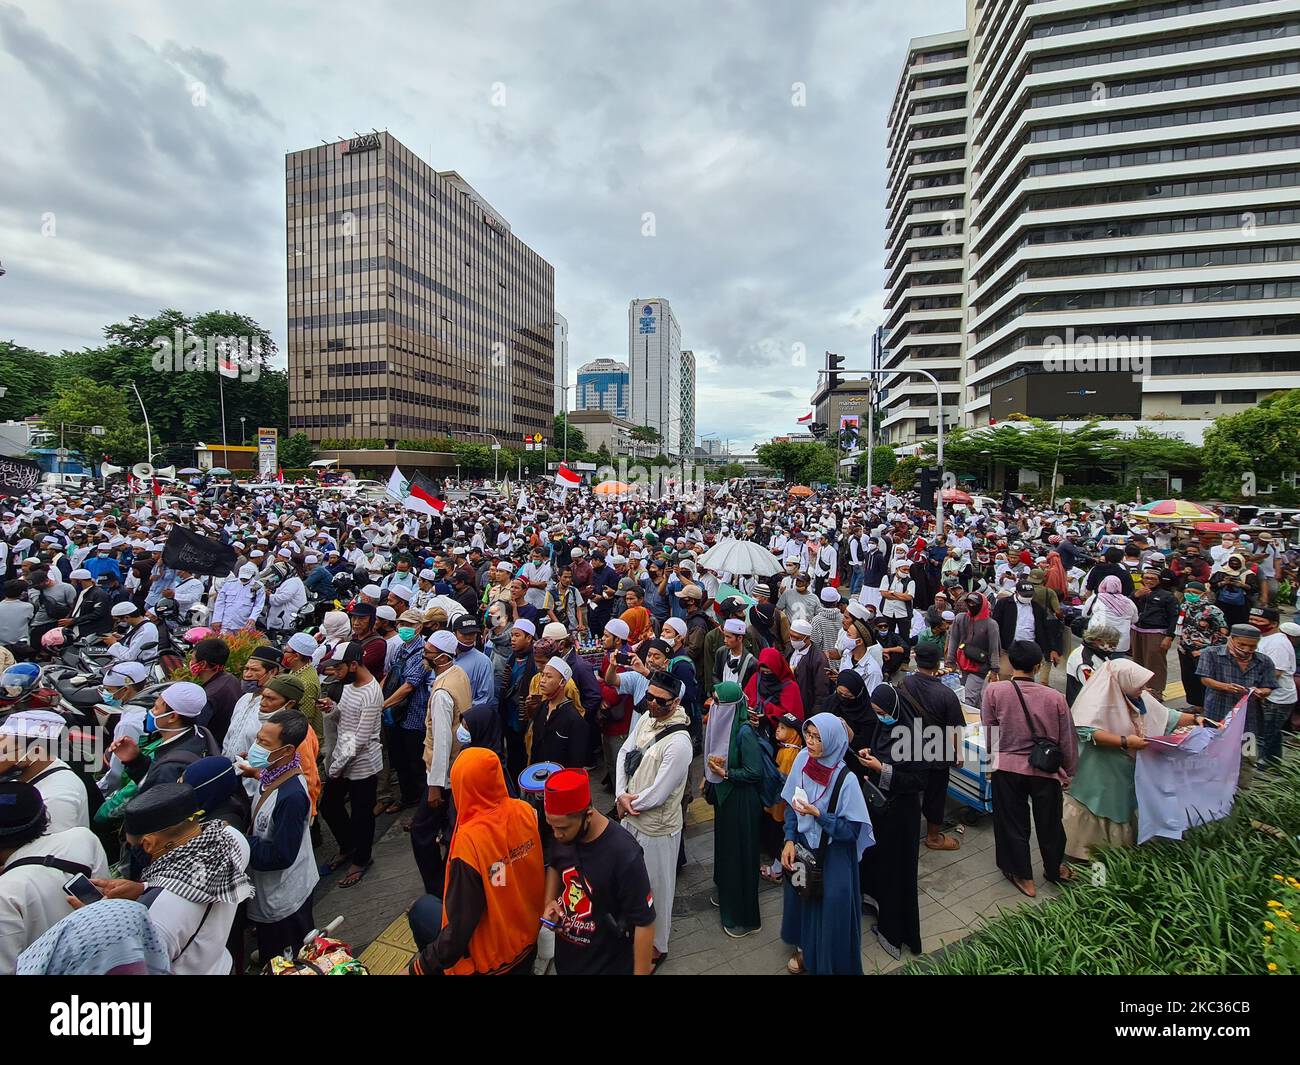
(1175, 510)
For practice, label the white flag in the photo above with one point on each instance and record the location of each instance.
(397, 485)
(522, 502)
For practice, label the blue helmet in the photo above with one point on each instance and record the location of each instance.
(18, 680)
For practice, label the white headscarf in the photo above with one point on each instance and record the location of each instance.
(1103, 702)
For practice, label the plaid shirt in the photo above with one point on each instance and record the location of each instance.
(1217, 664)
(414, 672)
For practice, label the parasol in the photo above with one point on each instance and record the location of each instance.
(801, 490)
(740, 557)
(612, 488)
(1175, 510)
(956, 495)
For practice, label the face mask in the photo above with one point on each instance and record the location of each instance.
(196, 669)
(405, 633)
(108, 698)
(463, 736)
(1191, 597)
(1026, 599)
(249, 686)
(885, 719)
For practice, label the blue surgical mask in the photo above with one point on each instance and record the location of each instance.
(258, 756)
(108, 698)
(150, 725)
(884, 720)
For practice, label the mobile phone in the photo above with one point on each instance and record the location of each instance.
(623, 658)
(80, 887)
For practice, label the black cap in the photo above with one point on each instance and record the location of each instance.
(1024, 588)
(162, 806)
(21, 808)
(465, 623)
(363, 610)
(661, 678)
(927, 655)
(732, 604)
(266, 653)
(1265, 613)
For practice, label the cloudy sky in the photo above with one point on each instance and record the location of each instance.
(144, 160)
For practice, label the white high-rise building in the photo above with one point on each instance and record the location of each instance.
(688, 403)
(655, 366)
(561, 359)
(1130, 201)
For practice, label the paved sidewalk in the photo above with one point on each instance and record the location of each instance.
(959, 890)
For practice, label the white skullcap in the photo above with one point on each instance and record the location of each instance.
(185, 698)
(830, 595)
(247, 571)
(734, 626)
(618, 627)
(122, 673)
(34, 725)
(387, 613)
(678, 625)
(403, 592)
(802, 627)
(310, 559)
(524, 625)
(301, 644)
(125, 609)
(80, 575)
(372, 590)
(443, 640)
(858, 610)
(948, 615)
(561, 667)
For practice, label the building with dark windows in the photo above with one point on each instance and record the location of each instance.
(1104, 197)
(414, 311)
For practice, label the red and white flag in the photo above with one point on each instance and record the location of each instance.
(805, 419)
(279, 475)
(566, 478)
(422, 495)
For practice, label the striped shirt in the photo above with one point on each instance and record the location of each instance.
(357, 753)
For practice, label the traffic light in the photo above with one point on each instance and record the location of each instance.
(818, 429)
(927, 486)
(833, 363)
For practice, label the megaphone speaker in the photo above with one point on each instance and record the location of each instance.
(142, 470)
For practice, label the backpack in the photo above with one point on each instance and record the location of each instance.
(771, 783)
(1231, 595)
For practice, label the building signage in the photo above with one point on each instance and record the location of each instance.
(267, 444)
(368, 143)
(646, 323)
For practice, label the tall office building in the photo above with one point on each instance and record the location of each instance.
(414, 311)
(1131, 207)
(603, 385)
(926, 242)
(561, 359)
(655, 360)
(688, 404)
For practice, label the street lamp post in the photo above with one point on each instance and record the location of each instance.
(243, 432)
(496, 447)
(938, 395)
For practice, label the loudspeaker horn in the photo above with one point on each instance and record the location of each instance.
(166, 471)
(142, 470)
(106, 470)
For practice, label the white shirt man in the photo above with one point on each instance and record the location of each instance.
(239, 601)
(32, 898)
(187, 592)
(141, 643)
(29, 738)
(285, 602)
(900, 583)
(1278, 647)
(534, 572)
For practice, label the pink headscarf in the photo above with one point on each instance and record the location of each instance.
(1113, 598)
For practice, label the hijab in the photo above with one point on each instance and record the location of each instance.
(718, 726)
(1055, 578)
(112, 938)
(773, 675)
(1112, 700)
(835, 742)
(855, 711)
(1112, 598)
(637, 619)
(336, 625)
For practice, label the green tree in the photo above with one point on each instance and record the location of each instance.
(25, 375)
(645, 434)
(296, 452)
(883, 463)
(789, 459)
(819, 467)
(577, 441)
(602, 455)
(83, 402)
(904, 476)
(1263, 441)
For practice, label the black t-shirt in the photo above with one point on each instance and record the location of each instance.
(603, 885)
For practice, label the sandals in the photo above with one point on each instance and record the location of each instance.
(1020, 887)
(795, 965)
(945, 843)
(355, 876)
(334, 864)
(1065, 875)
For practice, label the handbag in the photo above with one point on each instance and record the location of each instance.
(973, 657)
(808, 877)
(632, 760)
(1045, 755)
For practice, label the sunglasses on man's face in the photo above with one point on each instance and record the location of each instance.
(658, 700)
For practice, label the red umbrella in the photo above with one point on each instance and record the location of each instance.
(956, 495)
(1216, 526)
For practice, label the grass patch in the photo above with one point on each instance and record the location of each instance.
(1191, 907)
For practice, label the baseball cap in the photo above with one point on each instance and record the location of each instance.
(465, 623)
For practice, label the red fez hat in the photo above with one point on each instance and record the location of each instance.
(568, 792)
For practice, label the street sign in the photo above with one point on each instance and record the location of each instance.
(62, 454)
(267, 450)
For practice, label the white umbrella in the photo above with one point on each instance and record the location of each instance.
(741, 557)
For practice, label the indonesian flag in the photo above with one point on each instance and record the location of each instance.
(279, 475)
(566, 478)
(805, 419)
(422, 495)
(157, 487)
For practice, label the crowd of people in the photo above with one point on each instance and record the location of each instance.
(540, 687)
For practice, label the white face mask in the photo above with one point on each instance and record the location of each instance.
(845, 642)
(463, 736)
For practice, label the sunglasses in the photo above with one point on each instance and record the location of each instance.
(659, 700)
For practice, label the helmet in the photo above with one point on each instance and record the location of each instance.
(53, 639)
(194, 635)
(19, 680)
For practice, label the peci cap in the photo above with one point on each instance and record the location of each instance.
(567, 792)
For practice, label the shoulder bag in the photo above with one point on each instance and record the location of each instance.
(1045, 755)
